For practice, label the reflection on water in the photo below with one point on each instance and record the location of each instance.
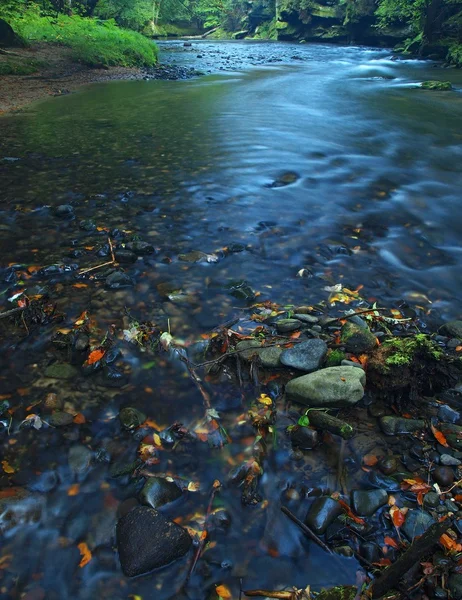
(191, 166)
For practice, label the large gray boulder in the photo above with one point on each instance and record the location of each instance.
(333, 387)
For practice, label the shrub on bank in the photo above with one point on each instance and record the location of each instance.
(93, 42)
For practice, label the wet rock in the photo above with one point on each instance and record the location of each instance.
(64, 211)
(322, 513)
(147, 540)
(125, 256)
(270, 357)
(367, 502)
(157, 491)
(370, 551)
(140, 248)
(131, 418)
(118, 280)
(197, 257)
(397, 425)
(357, 339)
(61, 371)
(417, 522)
(388, 465)
(452, 329)
(448, 414)
(284, 179)
(241, 290)
(79, 459)
(60, 419)
(43, 482)
(443, 475)
(455, 586)
(449, 461)
(248, 349)
(304, 438)
(310, 319)
(87, 225)
(53, 402)
(383, 482)
(82, 342)
(287, 325)
(440, 86)
(431, 500)
(331, 387)
(351, 363)
(306, 356)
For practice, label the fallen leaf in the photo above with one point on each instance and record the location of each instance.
(95, 356)
(79, 419)
(391, 542)
(350, 513)
(194, 486)
(398, 516)
(370, 460)
(439, 436)
(7, 467)
(264, 399)
(73, 490)
(80, 285)
(223, 592)
(383, 562)
(450, 544)
(85, 553)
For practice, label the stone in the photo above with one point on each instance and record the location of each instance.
(397, 425)
(64, 211)
(306, 318)
(351, 363)
(443, 475)
(287, 178)
(377, 480)
(140, 248)
(158, 491)
(118, 280)
(322, 513)
(449, 461)
(131, 418)
(448, 414)
(440, 86)
(287, 325)
(332, 387)
(87, 225)
(60, 419)
(431, 500)
(367, 502)
(455, 586)
(452, 329)
(388, 465)
(8, 37)
(53, 402)
(306, 356)
(417, 522)
(79, 459)
(61, 371)
(357, 339)
(304, 438)
(123, 255)
(247, 349)
(147, 540)
(270, 357)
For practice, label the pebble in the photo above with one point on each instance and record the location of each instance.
(306, 318)
(79, 459)
(388, 465)
(64, 211)
(118, 280)
(287, 325)
(60, 419)
(448, 414)
(306, 356)
(322, 513)
(53, 402)
(449, 461)
(366, 502)
(158, 491)
(61, 371)
(453, 329)
(357, 339)
(431, 500)
(270, 357)
(443, 475)
(417, 522)
(396, 425)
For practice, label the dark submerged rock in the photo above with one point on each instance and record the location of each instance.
(157, 491)
(287, 325)
(357, 339)
(61, 371)
(322, 513)
(417, 522)
(118, 280)
(306, 356)
(64, 211)
(366, 502)
(131, 418)
(396, 425)
(147, 540)
(304, 437)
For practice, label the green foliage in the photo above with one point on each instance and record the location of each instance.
(92, 42)
(441, 86)
(455, 54)
(127, 13)
(404, 350)
(16, 67)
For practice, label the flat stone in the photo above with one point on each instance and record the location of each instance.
(118, 280)
(417, 522)
(431, 500)
(331, 387)
(357, 339)
(125, 256)
(367, 502)
(397, 425)
(322, 513)
(79, 458)
(270, 357)
(147, 540)
(60, 419)
(286, 325)
(306, 318)
(61, 371)
(448, 414)
(157, 491)
(452, 329)
(449, 461)
(306, 356)
(247, 349)
(64, 211)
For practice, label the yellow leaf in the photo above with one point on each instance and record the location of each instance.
(223, 592)
(194, 486)
(264, 399)
(7, 467)
(85, 554)
(157, 440)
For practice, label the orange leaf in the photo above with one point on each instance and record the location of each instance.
(383, 562)
(7, 467)
(370, 460)
(95, 356)
(85, 553)
(73, 490)
(295, 335)
(398, 517)
(391, 542)
(79, 419)
(449, 543)
(350, 513)
(223, 592)
(439, 436)
(80, 285)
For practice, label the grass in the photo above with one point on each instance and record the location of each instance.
(92, 42)
(13, 67)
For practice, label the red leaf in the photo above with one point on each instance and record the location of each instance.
(439, 436)
(95, 356)
(350, 513)
(391, 542)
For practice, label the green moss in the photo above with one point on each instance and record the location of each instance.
(441, 86)
(405, 349)
(335, 357)
(339, 592)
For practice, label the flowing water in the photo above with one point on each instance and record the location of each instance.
(281, 158)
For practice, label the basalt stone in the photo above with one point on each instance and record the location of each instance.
(125, 256)
(322, 513)
(79, 458)
(64, 211)
(417, 522)
(131, 418)
(388, 465)
(306, 318)
(367, 502)
(397, 425)
(60, 419)
(357, 339)
(443, 475)
(383, 482)
(147, 540)
(287, 325)
(118, 280)
(332, 387)
(431, 500)
(306, 356)
(449, 461)
(157, 491)
(247, 349)
(140, 248)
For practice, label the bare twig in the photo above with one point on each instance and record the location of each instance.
(112, 249)
(106, 264)
(11, 312)
(306, 530)
(268, 594)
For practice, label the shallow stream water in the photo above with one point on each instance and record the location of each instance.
(281, 158)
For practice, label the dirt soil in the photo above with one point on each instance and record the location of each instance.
(59, 75)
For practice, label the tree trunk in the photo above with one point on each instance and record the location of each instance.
(7, 35)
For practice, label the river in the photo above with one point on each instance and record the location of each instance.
(296, 167)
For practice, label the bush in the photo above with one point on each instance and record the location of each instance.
(93, 42)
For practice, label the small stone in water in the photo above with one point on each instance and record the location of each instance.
(443, 475)
(64, 211)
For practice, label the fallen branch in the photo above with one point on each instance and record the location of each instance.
(306, 530)
(390, 578)
(11, 312)
(106, 264)
(268, 594)
(322, 420)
